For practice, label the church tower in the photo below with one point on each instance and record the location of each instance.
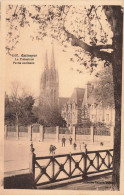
(49, 84)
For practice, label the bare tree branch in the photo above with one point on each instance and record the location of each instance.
(92, 7)
(93, 50)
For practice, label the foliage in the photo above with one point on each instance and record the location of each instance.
(104, 89)
(19, 111)
(48, 116)
(18, 106)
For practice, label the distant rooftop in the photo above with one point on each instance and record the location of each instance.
(77, 96)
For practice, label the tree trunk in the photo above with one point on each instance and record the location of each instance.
(117, 78)
(114, 16)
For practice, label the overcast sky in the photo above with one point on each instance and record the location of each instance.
(29, 74)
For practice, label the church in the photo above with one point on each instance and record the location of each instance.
(80, 107)
(49, 83)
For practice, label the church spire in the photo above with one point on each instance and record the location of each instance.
(52, 63)
(46, 62)
(49, 82)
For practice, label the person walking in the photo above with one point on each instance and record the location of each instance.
(63, 141)
(52, 149)
(70, 140)
(83, 147)
(75, 146)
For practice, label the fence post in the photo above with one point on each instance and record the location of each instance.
(69, 164)
(92, 134)
(74, 133)
(97, 157)
(41, 133)
(57, 133)
(30, 133)
(5, 131)
(32, 164)
(53, 168)
(17, 132)
(85, 163)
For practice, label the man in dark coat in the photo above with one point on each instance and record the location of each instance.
(63, 141)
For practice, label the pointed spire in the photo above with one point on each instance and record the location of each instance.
(46, 62)
(52, 63)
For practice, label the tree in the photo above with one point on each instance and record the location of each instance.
(9, 117)
(18, 107)
(104, 89)
(48, 116)
(92, 43)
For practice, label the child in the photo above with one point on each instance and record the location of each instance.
(70, 139)
(74, 145)
(52, 149)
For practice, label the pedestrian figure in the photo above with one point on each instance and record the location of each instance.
(70, 139)
(63, 141)
(83, 147)
(74, 145)
(52, 149)
(80, 146)
(101, 143)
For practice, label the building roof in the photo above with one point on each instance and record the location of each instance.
(77, 96)
(62, 101)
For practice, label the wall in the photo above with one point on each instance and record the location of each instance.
(82, 137)
(99, 114)
(67, 136)
(22, 181)
(49, 136)
(40, 135)
(98, 138)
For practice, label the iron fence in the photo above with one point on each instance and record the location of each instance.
(82, 131)
(50, 130)
(64, 130)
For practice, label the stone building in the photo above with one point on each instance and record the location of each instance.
(98, 112)
(82, 106)
(72, 109)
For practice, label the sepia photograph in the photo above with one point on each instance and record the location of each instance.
(63, 96)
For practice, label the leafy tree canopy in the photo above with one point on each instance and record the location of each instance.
(48, 116)
(104, 89)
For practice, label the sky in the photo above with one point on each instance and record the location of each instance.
(29, 75)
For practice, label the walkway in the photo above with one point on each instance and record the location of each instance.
(99, 183)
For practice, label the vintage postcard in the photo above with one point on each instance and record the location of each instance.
(62, 96)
